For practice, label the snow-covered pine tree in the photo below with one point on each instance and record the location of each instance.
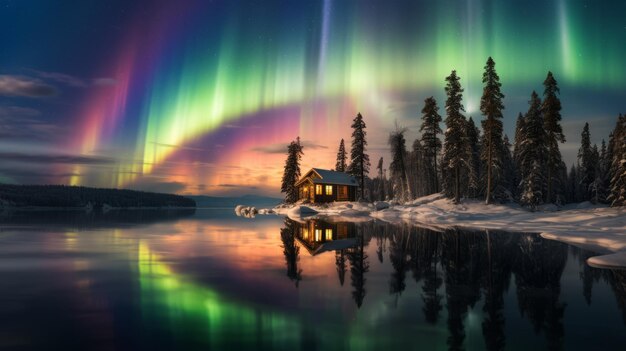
(517, 147)
(617, 173)
(597, 189)
(397, 167)
(474, 144)
(291, 173)
(491, 151)
(455, 151)
(531, 155)
(359, 160)
(586, 163)
(430, 137)
(508, 179)
(531, 195)
(551, 109)
(342, 156)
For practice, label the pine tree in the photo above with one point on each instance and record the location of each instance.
(397, 167)
(586, 163)
(517, 147)
(292, 171)
(508, 180)
(359, 160)
(342, 156)
(430, 140)
(381, 180)
(474, 144)
(617, 172)
(532, 151)
(491, 106)
(455, 151)
(551, 109)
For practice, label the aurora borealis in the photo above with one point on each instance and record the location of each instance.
(203, 96)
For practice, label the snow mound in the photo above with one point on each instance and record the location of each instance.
(300, 211)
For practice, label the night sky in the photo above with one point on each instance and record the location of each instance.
(202, 96)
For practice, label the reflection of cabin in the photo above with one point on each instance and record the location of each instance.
(319, 236)
(321, 185)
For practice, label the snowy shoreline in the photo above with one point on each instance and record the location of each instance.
(596, 227)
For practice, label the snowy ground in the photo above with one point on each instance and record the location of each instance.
(595, 227)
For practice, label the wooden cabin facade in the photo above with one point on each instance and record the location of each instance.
(321, 185)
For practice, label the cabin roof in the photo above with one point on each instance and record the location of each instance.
(328, 177)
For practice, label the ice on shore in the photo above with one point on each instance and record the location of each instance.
(596, 227)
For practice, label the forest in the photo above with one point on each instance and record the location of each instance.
(467, 161)
(77, 196)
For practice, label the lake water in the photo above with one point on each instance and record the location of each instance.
(206, 279)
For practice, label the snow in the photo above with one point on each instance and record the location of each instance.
(596, 227)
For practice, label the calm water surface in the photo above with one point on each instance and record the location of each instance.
(206, 279)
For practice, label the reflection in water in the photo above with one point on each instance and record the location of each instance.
(468, 268)
(209, 281)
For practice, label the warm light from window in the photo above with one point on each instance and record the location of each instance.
(318, 190)
(318, 234)
(329, 189)
(328, 235)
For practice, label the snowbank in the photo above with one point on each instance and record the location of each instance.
(595, 227)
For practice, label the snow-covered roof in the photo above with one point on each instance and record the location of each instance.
(329, 177)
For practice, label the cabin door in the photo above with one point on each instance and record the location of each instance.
(311, 194)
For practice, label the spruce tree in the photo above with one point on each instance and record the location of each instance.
(474, 144)
(491, 106)
(342, 156)
(617, 172)
(455, 151)
(291, 173)
(381, 180)
(430, 140)
(517, 147)
(359, 160)
(586, 163)
(397, 167)
(532, 151)
(508, 179)
(572, 184)
(551, 109)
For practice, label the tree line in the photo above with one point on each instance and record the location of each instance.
(78, 196)
(474, 162)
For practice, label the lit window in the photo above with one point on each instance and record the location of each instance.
(328, 234)
(342, 191)
(318, 235)
(329, 189)
(318, 189)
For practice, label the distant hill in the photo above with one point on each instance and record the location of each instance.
(62, 196)
(231, 202)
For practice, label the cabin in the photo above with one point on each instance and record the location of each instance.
(321, 185)
(320, 236)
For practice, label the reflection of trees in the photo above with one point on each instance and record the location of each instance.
(538, 269)
(340, 262)
(617, 279)
(424, 249)
(358, 267)
(459, 260)
(398, 253)
(497, 275)
(291, 251)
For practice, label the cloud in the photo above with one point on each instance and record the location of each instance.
(23, 86)
(22, 123)
(104, 82)
(55, 159)
(62, 78)
(281, 148)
